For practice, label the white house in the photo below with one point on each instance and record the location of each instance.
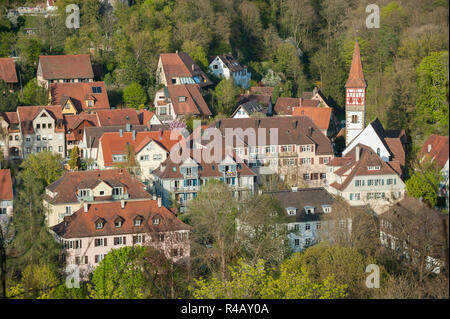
(225, 65)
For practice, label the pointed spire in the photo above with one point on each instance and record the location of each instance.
(356, 76)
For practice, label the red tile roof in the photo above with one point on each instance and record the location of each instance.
(28, 113)
(285, 105)
(6, 191)
(80, 92)
(194, 104)
(82, 224)
(356, 76)
(8, 70)
(67, 186)
(438, 149)
(181, 65)
(117, 117)
(112, 143)
(262, 90)
(321, 116)
(74, 121)
(66, 66)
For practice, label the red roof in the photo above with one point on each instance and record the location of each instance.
(82, 224)
(320, 115)
(66, 66)
(6, 192)
(194, 102)
(356, 76)
(285, 105)
(438, 149)
(112, 143)
(117, 117)
(8, 70)
(28, 113)
(180, 64)
(79, 92)
(74, 121)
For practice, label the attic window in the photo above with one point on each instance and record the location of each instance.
(174, 168)
(373, 168)
(118, 223)
(309, 209)
(181, 99)
(99, 224)
(96, 89)
(326, 208)
(155, 221)
(90, 103)
(291, 211)
(138, 221)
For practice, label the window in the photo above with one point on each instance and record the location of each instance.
(28, 139)
(38, 137)
(306, 161)
(102, 193)
(306, 177)
(117, 191)
(68, 210)
(50, 149)
(60, 149)
(50, 137)
(326, 208)
(162, 110)
(325, 160)
(100, 242)
(306, 148)
(355, 196)
(16, 137)
(307, 227)
(373, 168)
(3, 211)
(287, 148)
(354, 119)
(296, 242)
(378, 151)
(38, 126)
(28, 150)
(181, 99)
(99, 224)
(138, 239)
(318, 225)
(296, 227)
(155, 221)
(309, 209)
(44, 125)
(38, 149)
(137, 222)
(120, 240)
(85, 192)
(291, 211)
(67, 106)
(49, 125)
(144, 157)
(161, 237)
(157, 157)
(99, 258)
(118, 223)
(307, 242)
(90, 103)
(96, 89)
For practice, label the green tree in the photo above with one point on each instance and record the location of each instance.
(225, 94)
(424, 182)
(8, 100)
(134, 96)
(42, 168)
(120, 275)
(33, 94)
(74, 161)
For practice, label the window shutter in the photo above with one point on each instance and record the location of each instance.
(104, 243)
(96, 259)
(320, 160)
(134, 240)
(312, 148)
(95, 242)
(143, 238)
(86, 260)
(312, 160)
(124, 240)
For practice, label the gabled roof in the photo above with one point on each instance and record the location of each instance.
(117, 117)
(66, 187)
(321, 116)
(438, 146)
(268, 90)
(27, 114)
(180, 64)
(6, 191)
(112, 143)
(285, 105)
(194, 104)
(231, 62)
(79, 92)
(93, 134)
(66, 66)
(251, 107)
(8, 70)
(82, 224)
(356, 76)
(292, 130)
(261, 98)
(72, 122)
(304, 197)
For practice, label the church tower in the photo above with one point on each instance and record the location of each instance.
(355, 98)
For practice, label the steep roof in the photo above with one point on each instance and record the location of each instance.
(117, 117)
(66, 66)
(112, 143)
(82, 224)
(73, 121)
(194, 102)
(6, 191)
(301, 198)
(27, 114)
(79, 92)
(180, 64)
(8, 70)
(66, 187)
(321, 116)
(251, 107)
(231, 62)
(93, 134)
(292, 130)
(438, 149)
(356, 76)
(261, 98)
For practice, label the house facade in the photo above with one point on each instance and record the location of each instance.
(364, 178)
(97, 228)
(6, 194)
(8, 72)
(64, 68)
(68, 194)
(245, 110)
(226, 66)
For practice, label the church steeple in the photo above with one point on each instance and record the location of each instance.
(355, 99)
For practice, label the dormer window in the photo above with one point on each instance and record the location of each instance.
(155, 221)
(99, 224)
(181, 99)
(291, 211)
(117, 191)
(84, 192)
(118, 222)
(374, 168)
(138, 221)
(326, 208)
(309, 209)
(90, 103)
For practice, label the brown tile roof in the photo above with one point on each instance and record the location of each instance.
(231, 62)
(73, 121)
(194, 104)
(170, 170)
(8, 70)
(261, 98)
(112, 143)
(356, 76)
(268, 90)
(79, 93)
(313, 197)
(292, 130)
(82, 224)
(181, 65)
(285, 105)
(6, 191)
(367, 157)
(66, 66)
(117, 117)
(321, 116)
(93, 134)
(439, 149)
(66, 187)
(28, 113)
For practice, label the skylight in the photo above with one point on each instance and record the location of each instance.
(96, 89)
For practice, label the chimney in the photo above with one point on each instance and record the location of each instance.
(301, 102)
(154, 197)
(128, 127)
(86, 207)
(429, 148)
(294, 189)
(159, 201)
(176, 51)
(134, 135)
(122, 203)
(121, 132)
(192, 67)
(357, 153)
(259, 123)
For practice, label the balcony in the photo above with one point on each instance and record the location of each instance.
(120, 196)
(288, 154)
(183, 189)
(230, 174)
